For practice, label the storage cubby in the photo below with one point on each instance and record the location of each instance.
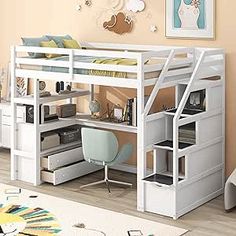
(187, 133)
(197, 101)
(163, 168)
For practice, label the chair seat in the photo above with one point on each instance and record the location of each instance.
(230, 192)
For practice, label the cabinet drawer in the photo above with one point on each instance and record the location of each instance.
(6, 120)
(159, 200)
(69, 172)
(6, 111)
(55, 161)
(6, 136)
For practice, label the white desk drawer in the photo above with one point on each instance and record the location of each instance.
(61, 159)
(6, 136)
(69, 172)
(159, 200)
(6, 111)
(6, 120)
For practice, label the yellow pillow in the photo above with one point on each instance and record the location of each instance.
(71, 43)
(49, 44)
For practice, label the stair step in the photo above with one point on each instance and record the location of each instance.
(185, 113)
(168, 144)
(160, 179)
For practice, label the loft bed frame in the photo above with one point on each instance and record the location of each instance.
(186, 73)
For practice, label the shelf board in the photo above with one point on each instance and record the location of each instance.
(86, 120)
(60, 123)
(61, 148)
(185, 113)
(168, 145)
(29, 100)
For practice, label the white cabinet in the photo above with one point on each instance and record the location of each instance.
(6, 137)
(5, 123)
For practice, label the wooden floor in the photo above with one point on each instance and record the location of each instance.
(209, 219)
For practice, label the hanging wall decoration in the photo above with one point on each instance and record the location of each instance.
(88, 3)
(119, 24)
(135, 5)
(190, 18)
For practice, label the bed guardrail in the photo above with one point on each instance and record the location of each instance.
(178, 65)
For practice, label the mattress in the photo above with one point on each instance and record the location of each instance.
(86, 59)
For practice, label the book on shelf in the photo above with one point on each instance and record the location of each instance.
(131, 110)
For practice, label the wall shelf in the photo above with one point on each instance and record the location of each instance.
(29, 100)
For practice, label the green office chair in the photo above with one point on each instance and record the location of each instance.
(101, 148)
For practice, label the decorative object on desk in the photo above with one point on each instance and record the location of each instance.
(95, 108)
(119, 24)
(118, 113)
(83, 226)
(62, 85)
(66, 110)
(21, 87)
(58, 87)
(190, 18)
(135, 5)
(196, 100)
(21, 220)
(68, 87)
(43, 93)
(42, 85)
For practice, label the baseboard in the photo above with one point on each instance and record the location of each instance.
(200, 202)
(128, 168)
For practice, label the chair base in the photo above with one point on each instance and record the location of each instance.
(107, 181)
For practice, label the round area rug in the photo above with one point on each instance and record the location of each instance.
(21, 220)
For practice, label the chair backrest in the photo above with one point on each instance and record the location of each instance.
(99, 145)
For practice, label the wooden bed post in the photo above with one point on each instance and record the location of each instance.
(141, 152)
(13, 112)
(37, 142)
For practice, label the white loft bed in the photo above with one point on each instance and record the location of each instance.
(180, 67)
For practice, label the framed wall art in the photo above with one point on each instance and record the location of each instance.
(190, 19)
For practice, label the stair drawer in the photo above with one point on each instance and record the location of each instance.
(67, 173)
(159, 200)
(61, 159)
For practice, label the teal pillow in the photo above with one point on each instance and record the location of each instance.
(58, 39)
(34, 42)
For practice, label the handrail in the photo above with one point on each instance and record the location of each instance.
(158, 83)
(178, 114)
